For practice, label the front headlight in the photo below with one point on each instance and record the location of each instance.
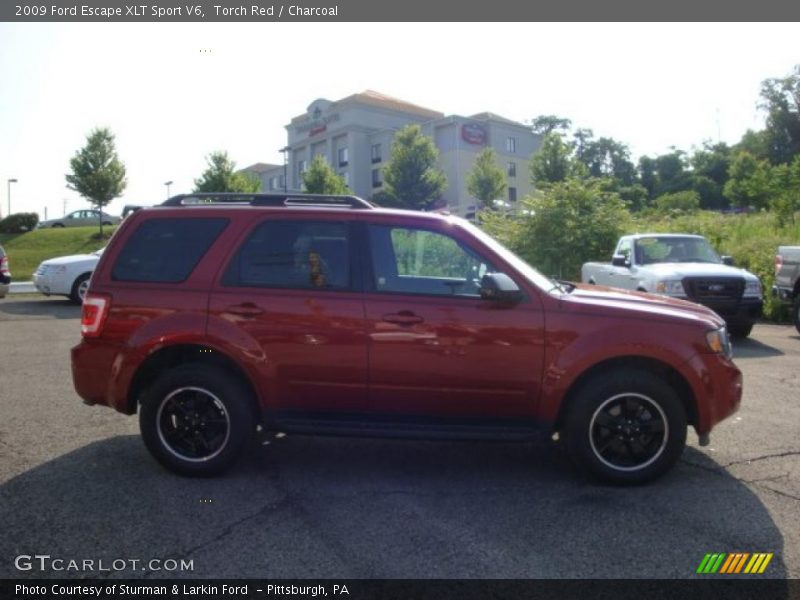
(719, 342)
(752, 289)
(670, 288)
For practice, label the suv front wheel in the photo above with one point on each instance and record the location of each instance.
(627, 426)
(196, 420)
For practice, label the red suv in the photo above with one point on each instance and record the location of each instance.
(325, 315)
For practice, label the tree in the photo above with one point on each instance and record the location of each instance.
(563, 226)
(749, 181)
(686, 201)
(709, 175)
(221, 176)
(320, 178)
(785, 184)
(551, 163)
(780, 98)
(606, 157)
(97, 172)
(411, 176)
(544, 124)
(486, 181)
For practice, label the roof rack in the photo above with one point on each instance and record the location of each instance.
(319, 200)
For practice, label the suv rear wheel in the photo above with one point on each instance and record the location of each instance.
(626, 427)
(196, 419)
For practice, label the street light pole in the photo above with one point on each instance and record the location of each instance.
(168, 183)
(285, 151)
(10, 181)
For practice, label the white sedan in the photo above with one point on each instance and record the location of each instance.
(66, 275)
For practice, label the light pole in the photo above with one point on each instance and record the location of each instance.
(285, 151)
(168, 183)
(10, 181)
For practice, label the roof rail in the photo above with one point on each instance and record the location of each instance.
(286, 199)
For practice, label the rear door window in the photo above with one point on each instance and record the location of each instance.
(294, 254)
(166, 250)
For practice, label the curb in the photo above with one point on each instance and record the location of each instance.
(22, 287)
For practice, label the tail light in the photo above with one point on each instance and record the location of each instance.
(93, 314)
(778, 263)
(4, 265)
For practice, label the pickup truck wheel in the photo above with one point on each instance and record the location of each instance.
(740, 329)
(196, 420)
(626, 426)
(796, 312)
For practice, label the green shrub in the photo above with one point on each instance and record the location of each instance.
(19, 223)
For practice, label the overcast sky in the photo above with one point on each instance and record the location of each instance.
(172, 93)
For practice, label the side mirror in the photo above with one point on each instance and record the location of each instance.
(500, 288)
(620, 260)
(728, 260)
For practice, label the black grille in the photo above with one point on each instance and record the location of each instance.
(711, 289)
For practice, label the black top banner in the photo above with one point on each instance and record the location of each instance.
(220, 11)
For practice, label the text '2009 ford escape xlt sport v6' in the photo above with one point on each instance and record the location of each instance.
(326, 315)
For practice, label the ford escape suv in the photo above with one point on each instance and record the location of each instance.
(214, 313)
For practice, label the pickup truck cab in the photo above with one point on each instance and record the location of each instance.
(787, 279)
(326, 315)
(682, 266)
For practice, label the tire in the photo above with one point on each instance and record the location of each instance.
(740, 329)
(57, 225)
(622, 414)
(796, 312)
(221, 405)
(79, 288)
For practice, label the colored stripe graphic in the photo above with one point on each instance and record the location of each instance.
(723, 563)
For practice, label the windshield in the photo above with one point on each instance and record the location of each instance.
(671, 249)
(515, 261)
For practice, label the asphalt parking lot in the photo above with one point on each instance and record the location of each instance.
(76, 483)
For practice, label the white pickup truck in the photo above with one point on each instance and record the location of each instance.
(682, 266)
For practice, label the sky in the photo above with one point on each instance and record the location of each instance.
(174, 92)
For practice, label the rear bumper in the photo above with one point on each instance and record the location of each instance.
(93, 371)
(720, 389)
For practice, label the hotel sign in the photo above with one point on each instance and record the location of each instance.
(472, 133)
(316, 123)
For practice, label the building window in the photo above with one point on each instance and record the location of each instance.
(512, 194)
(345, 175)
(281, 182)
(376, 153)
(511, 145)
(343, 157)
(302, 165)
(377, 180)
(512, 169)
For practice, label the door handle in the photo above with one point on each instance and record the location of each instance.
(404, 317)
(247, 309)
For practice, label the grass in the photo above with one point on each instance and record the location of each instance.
(26, 250)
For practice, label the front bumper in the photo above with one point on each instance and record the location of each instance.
(720, 389)
(783, 294)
